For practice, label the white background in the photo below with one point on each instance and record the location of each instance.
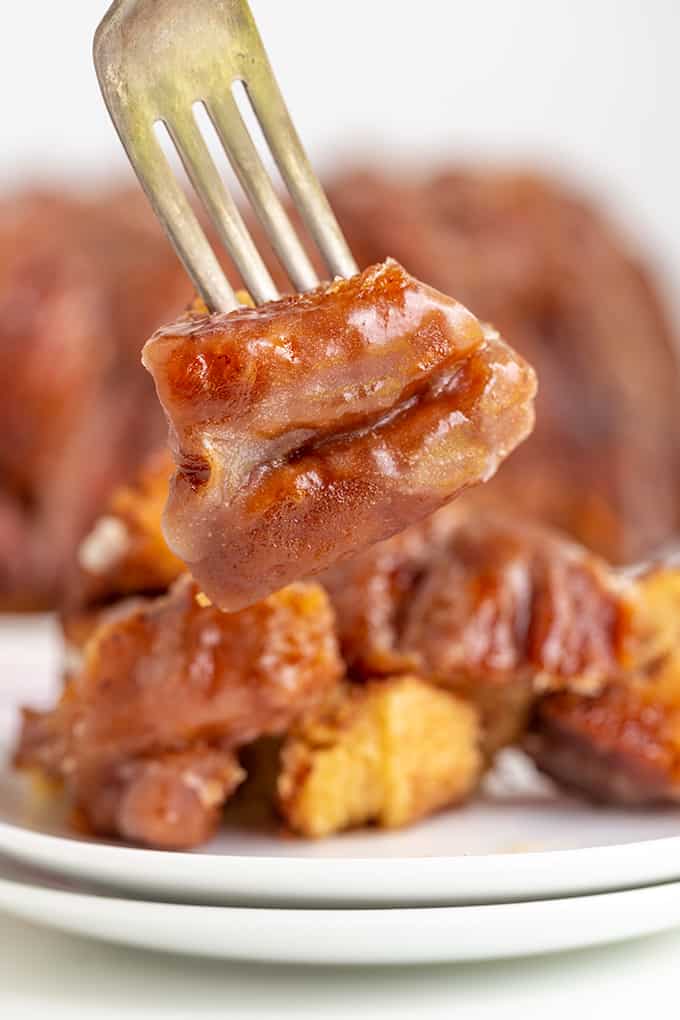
(45, 976)
(591, 86)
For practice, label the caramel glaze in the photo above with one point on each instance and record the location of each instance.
(167, 692)
(319, 424)
(505, 596)
(470, 591)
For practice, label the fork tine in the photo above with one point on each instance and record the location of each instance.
(221, 207)
(175, 213)
(257, 184)
(141, 54)
(296, 170)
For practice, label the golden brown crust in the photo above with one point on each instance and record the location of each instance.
(388, 752)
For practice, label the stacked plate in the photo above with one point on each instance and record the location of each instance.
(522, 870)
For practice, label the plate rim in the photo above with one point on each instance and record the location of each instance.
(98, 845)
(351, 935)
(102, 863)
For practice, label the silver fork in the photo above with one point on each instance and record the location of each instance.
(157, 59)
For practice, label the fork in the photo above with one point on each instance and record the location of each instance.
(157, 61)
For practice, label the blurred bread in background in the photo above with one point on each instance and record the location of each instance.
(82, 282)
(557, 279)
(85, 280)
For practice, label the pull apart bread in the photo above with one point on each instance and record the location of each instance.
(387, 688)
(316, 425)
(381, 693)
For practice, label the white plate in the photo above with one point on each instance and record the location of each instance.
(399, 936)
(521, 841)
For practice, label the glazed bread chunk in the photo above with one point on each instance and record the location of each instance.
(313, 426)
(476, 593)
(170, 801)
(505, 597)
(492, 608)
(621, 744)
(170, 678)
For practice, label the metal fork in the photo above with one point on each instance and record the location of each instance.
(156, 60)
